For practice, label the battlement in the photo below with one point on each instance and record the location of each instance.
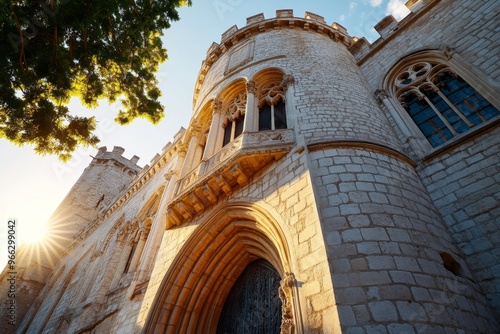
(258, 24)
(389, 27)
(116, 155)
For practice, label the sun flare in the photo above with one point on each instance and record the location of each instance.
(32, 214)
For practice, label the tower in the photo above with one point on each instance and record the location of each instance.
(108, 174)
(106, 177)
(291, 160)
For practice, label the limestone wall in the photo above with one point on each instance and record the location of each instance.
(460, 176)
(283, 190)
(384, 239)
(89, 287)
(330, 101)
(464, 184)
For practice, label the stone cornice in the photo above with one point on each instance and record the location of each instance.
(230, 168)
(362, 145)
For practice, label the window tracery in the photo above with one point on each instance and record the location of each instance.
(440, 102)
(272, 111)
(235, 116)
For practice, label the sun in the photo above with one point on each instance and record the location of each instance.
(32, 214)
(34, 233)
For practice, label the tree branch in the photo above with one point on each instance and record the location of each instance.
(22, 57)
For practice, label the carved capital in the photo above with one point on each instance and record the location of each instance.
(381, 94)
(169, 175)
(123, 233)
(196, 129)
(143, 233)
(217, 106)
(95, 255)
(251, 87)
(182, 149)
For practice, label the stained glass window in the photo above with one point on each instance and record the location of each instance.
(440, 102)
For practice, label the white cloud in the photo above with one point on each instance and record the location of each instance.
(375, 3)
(342, 18)
(352, 5)
(396, 8)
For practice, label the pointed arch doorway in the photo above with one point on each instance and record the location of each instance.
(237, 243)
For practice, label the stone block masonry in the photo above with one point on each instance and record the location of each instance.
(465, 186)
(384, 238)
(367, 227)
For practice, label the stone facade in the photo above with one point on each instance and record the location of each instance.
(300, 152)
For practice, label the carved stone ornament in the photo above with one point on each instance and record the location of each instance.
(288, 80)
(271, 93)
(448, 53)
(217, 106)
(381, 94)
(251, 87)
(123, 232)
(285, 294)
(95, 255)
(237, 106)
(169, 175)
(196, 128)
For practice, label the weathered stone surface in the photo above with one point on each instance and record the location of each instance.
(370, 229)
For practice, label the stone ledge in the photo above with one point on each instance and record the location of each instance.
(230, 168)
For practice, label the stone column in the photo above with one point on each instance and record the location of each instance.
(383, 97)
(251, 115)
(214, 140)
(416, 144)
(193, 145)
(157, 229)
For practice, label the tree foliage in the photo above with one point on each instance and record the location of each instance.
(52, 50)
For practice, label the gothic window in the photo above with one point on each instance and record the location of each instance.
(129, 259)
(272, 111)
(235, 117)
(440, 102)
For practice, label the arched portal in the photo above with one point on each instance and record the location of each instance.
(193, 292)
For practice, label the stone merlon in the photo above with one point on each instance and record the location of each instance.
(116, 155)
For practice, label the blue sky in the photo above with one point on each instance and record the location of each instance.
(33, 185)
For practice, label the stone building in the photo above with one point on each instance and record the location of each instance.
(323, 185)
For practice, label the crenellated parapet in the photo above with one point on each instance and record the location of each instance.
(389, 28)
(257, 24)
(116, 155)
